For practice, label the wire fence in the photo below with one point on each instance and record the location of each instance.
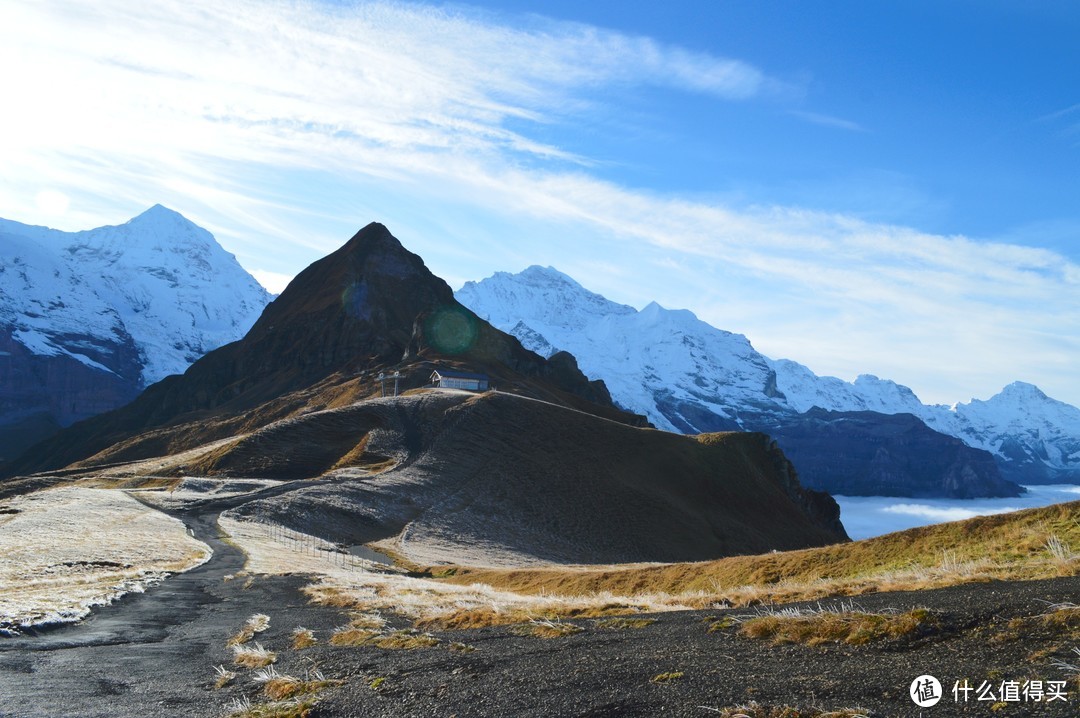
(335, 554)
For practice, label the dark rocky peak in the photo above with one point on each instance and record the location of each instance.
(370, 306)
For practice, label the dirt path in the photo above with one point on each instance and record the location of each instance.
(152, 653)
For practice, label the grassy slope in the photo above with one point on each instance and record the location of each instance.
(500, 480)
(1016, 545)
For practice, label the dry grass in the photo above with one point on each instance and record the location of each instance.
(1060, 620)
(495, 615)
(546, 629)
(67, 549)
(835, 625)
(622, 623)
(224, 676)
(253, 656)
(256, 624)
(667, 677)
(395, 640)
(281, 687)
(303, 638)
(1029, 544)
(1073, 669)
(295, 708)
(430, 603)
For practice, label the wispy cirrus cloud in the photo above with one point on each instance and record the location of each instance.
(266, 120)
(829, 121)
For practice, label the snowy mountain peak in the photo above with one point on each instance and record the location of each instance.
(546, 276)
(686, 375)
(1021, 391)
(159, 279)
(159, 213)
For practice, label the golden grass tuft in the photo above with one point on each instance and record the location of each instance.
(285, 687)
(468, 618)
(546, 629)
(256, 624)
(303, 638)
(294, 708)
(253, 656)
(323, 595)
(224, 677)
(408, 639)
(667, 677)
(491, 615)
(282, 687)
(349, 636)
(845, 626)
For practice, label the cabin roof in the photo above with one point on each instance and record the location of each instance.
(455, 374)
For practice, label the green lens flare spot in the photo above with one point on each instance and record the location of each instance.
(450, 330)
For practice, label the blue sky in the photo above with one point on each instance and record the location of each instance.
(885, 187)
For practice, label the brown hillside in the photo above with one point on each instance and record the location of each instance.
(495, 479)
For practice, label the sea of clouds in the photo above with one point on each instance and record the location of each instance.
(867, 516)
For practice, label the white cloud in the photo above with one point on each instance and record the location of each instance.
(829, 121)
(265, 121)
(52, 202)
(273, 282)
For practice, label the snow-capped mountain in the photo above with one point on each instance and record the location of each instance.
(650, 360)
(689, 376)
(1035, 438)
(88, 319)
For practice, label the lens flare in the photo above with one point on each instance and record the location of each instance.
(450, 330)
(354, 300)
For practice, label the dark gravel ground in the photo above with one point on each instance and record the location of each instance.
(154, 654)
(603, 672)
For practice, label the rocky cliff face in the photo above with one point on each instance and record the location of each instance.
(688, 376)
(89, 319)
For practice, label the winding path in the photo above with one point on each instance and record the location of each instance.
(154, 652)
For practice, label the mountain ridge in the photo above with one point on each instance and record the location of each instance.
(88, 319)
(688, 376)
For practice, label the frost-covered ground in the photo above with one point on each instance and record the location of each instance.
(191, 490)
(65, 550)
(867, 516)
(276, 551)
